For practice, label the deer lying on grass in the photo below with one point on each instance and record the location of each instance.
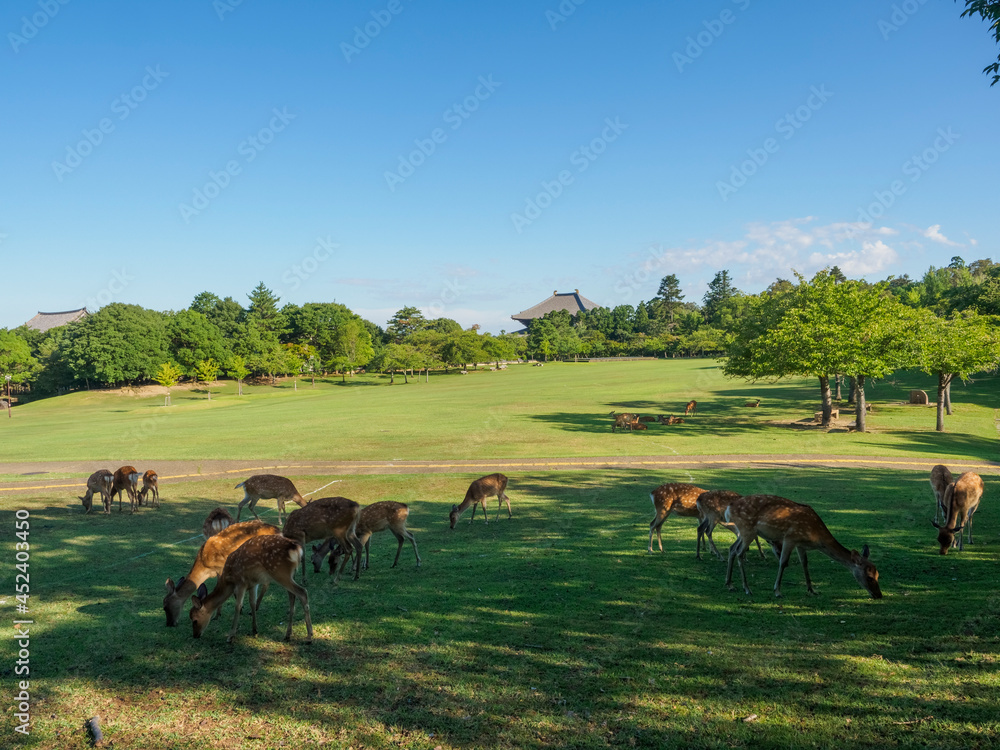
(216, 521)
(940, 479)
(675, 497)
(482, 488)
(691, 408)
(788, 526)
(100, 482)
(268, 487)
(326, 518)
(961, 501)
(376, 517)
(259, 561)
(671, 420)
(126, 479)
(623, 421)
(753, 404)
(150, 484)
(209, 562)
(711, 508)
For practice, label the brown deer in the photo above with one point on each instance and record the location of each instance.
(961, 501)
(126, 479)
(623, 421)
(150, 484)
(940, 479)
(753, 404)
(637, 425)
(100, 482)
(209, 562)
(216, 521)
(259, 561)
(268, 487)
(788, 526)
(482, 488)
(675, 497)
(671, 420)
(691, 408)
(328, 517)
(711, 508)
(376, 517)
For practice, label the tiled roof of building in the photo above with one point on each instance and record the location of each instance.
(572, 302)
(46, 320)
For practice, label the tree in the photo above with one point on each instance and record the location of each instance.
(193, 338)
(264, 310)
(670, 293)
(15, 358)
(989, 11)
(963, 345)
(119, 343)
(720, 292)
(207, 371)
(352, 347)
(237, 367)
(463, 348)
(405, 323)
(167, 376)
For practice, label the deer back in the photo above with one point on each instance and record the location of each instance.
(382, 515)
(676, 497)
(272, 487)
(323, 518)
(940, 479)
(713, 504)
(124, 478)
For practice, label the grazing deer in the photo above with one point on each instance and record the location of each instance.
(753, 404)
(792, 526)
(268, 487)
(677, 498)
(482, 488)
(711, 508)
(209, 562)
(961, 501)
(259, 561)
(940, 479)
(100, 482)
(216, 521)
(150, 483)
(691, 408)
(328, 517)
(126, 479)
(623, 420)
(376, 517)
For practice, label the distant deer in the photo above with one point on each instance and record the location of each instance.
(268, 487)
(259, 561)
(482, 488)
(376, 517)
(940, 479)
(675, 497)
(691, 408)
(961, 501)
(150, 484)
(637, 425)
(100, 482)
(209, 561)
(788, 526)
(126, 479)
(623, 421)
(711, 508)
(335, 517)
(671, 420)
(216, 521)
(753, 404)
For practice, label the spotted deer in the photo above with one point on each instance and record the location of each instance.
(691, 408)
(100, 482)
(675, 497)
(216, 521)
(150, 484)
(258, 562)
(376, 517)
(209, 562)
(326, 518)
(268, 487)
(623, 421)
(940, 479)
(961, 501)
(711, 508)
(126, 479)
(788, 526)
(479, 490)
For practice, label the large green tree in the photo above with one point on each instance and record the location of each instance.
(193, 338)
(352, 346)
(15, 358)
(118, 344)
(989, 11)
(405, 323)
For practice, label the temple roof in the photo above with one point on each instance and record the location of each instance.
(46, 320)
(572, 302)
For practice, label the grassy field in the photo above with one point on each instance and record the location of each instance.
(553, 629)
(557, 410)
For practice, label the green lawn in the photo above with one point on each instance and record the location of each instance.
(553, 629)
(557, 410)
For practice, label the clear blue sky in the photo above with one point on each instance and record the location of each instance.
(330, 199)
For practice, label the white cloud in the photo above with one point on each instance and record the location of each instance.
(873, 257)
(933, 232)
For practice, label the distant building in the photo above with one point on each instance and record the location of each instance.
(44, 321)
(572, 302)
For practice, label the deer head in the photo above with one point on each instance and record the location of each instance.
(453, 516)
(865, 572)
(200, 616)
(172, 604)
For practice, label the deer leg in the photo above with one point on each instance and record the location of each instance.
(474, 507)
(736, 551)
(297, 592)
(413, 541)
(711, 542)
(399, 549)
(701, 534)
(240, 591)
(507, 500)
(356, 543)
(805, 570)
(786, 552)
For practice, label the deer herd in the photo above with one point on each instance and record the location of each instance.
(253, 554)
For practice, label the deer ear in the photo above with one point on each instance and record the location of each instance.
(195, 602)
(171, 588)
(865, 551)
(935, 524)
(202, 591)
(454, 508)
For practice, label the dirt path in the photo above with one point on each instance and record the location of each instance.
(34, 474)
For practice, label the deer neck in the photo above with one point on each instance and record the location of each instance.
(217, 597)
(833, 549)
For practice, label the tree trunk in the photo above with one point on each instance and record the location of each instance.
(838, 381)
(824, 389)
(854, 389)
(947, 395)
(859, 407)
(944, 383)
(343, 377)
(406, 380)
